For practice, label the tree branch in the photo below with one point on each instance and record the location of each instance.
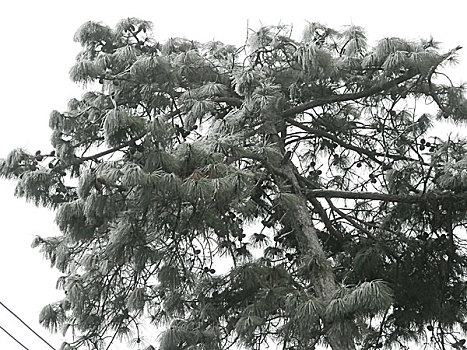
(349, 219)
(322, 133)
(233, 101)
(361, 94)
(369, 153)
(81, 160)
(385, 197)
(349, 97)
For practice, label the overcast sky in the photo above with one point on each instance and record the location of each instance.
(37, 52)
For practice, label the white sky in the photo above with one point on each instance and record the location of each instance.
(37, 52)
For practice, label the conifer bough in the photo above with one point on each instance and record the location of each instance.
(287, 192)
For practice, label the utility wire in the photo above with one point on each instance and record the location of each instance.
(24, 323)
(16, 340)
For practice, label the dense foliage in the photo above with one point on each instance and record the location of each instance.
(285, 192)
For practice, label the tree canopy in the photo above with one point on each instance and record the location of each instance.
(288, 192)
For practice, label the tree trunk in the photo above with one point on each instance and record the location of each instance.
(300, 219)
(322, 277)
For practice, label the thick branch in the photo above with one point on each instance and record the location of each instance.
(385, 197)
(98, 155)
(351, 220)
(322, 214)
(369, 153)
(349, 97)
(233, 101)
(361, 94)
(322, 133)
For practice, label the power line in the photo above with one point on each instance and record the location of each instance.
(24, 323)
(11, 336)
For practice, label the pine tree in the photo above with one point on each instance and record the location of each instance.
(286, 192)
